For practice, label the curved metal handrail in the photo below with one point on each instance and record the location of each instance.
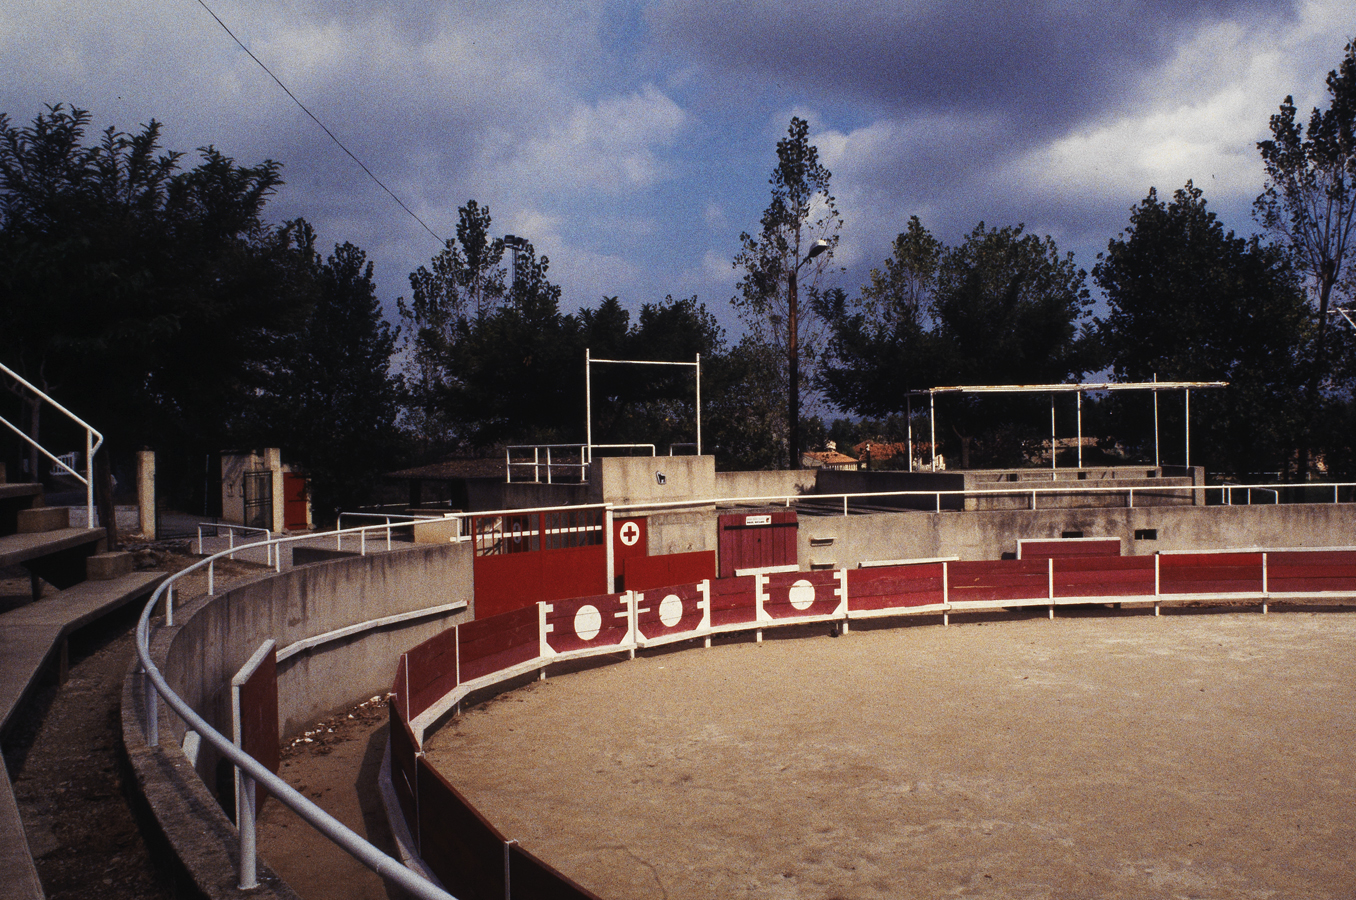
(251, 769)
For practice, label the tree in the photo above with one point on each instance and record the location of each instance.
(334, 407)
(880, 346)
(799, 226)
(1003, 307)
(1310, 196)
(148, 297)
(1189, 301)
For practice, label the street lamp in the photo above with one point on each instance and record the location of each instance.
(517, 245)
(793, 351)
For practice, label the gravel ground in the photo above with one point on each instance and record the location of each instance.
(1203, 756)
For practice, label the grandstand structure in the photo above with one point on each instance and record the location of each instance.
(431, 610)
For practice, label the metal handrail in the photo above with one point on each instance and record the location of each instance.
(93, 441)
(252, 770)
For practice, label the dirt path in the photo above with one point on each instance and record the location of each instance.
(1206, 756)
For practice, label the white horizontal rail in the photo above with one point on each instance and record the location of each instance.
(156, 686)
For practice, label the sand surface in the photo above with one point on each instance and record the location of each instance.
(1191, 755)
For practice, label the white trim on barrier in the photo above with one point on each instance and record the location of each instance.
(703, 603)
(766, 570)
(879, 563)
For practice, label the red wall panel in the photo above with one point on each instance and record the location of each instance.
(1104, 576)
(404, 768)
(1069, 547)
(733, 601)
(432, 670)
(670, 611)
(586, 622)
(1210, 573)
(889, 587)
(464, 850)
(532, 879)
(259, 719)
(791, 595)
(643, 573)
(1000, 579)
(1315, 570)
(488, 645)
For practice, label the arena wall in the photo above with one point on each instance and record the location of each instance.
(845, 541)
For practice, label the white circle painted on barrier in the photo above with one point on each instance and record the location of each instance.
(588, 622)
(670, 610)
(802, 594)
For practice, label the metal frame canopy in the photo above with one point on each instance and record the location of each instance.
(1052, 389)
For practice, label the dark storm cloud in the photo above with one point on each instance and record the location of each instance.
(1058, 61)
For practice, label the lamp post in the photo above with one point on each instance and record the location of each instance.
(517, 245)
(793, 352)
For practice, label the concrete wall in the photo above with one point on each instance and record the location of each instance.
(214, 637)
(681, 532)
(631, 479)
(835, 541)
(783, 483)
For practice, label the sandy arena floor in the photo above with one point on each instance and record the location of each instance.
(1192, 755)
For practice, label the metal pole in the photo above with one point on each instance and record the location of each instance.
(793, 365)
(932, 426)
(699, 404)
(1155, 421)
(89, 478)
(908, 415)
(588, 405)
(1186, 424)
(1054, 446)
(1080, 429)
(244, 805)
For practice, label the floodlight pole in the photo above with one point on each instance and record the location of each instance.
(588, 406)
(1156, 462)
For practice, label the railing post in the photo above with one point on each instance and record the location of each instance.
(548, 465)
(211, 577)
(152, 711)
(244, 808)
(89, 479)
(169, 605)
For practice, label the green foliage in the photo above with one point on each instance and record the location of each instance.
(801, 214)
(1309, 201)
(1003, 307)
(334, 406)
(1191, 302)
(149, 298)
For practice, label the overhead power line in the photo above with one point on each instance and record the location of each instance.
(322, 125)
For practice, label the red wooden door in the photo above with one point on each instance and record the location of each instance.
(757, 540)
(295, 491)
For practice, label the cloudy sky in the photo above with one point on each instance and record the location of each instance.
(632, 141)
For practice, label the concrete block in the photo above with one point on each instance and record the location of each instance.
(435, 531)
(105, 566)
(43, 518)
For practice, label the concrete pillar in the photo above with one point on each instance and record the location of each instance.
(146, 492)
(273, 462)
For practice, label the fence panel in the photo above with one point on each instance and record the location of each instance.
(1104, 576)
(734, 601)
(1210, 573)
(585, 623)
(671, 613)
(998, 580)
(895, 587)
(532, 879)
(499, 642)
(432, 670)
(1314, 570)
(803, 595)
(462, 848)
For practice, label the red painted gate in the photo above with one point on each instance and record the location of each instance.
(757, 540)
(552, 554)
(295, 490)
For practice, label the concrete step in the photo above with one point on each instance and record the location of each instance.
(38, 519)
(104, 566)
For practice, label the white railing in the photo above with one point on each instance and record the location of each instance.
(251, 770)
(93, 441)
(231, 531)
(933, 499)
(537, 463)
(390, 521)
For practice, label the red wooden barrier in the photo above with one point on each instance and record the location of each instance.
(669, 612)
(733, 601)
(1210, 573)
(583, 623)
(462, 848)
(795, 595)
(1104, 576)
(499, 642)
(889, 587)
(1313, 570)
(532, 879)
(404, 768)
(432, 668)
(996, 580)
(642, 573)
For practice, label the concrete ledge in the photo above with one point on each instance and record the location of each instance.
(17, 871)
(43, 518)
(103, 566)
